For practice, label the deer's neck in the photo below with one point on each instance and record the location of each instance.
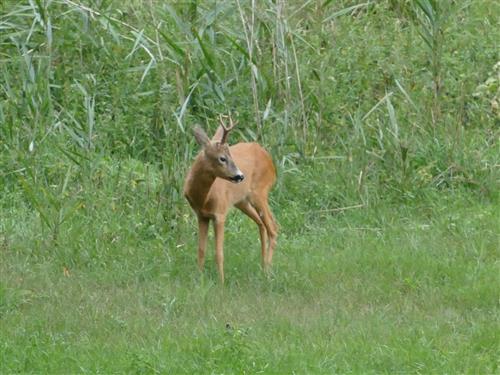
(198, 184)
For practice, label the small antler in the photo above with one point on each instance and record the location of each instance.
(227, 129)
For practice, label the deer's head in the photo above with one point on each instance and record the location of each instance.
(216, 152)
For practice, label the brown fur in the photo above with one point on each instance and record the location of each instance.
(211, 194)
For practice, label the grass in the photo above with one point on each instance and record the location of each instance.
(398, 289)
(382, 118)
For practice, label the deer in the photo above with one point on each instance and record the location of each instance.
(224, 176)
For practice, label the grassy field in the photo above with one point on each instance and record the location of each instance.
(383, 120)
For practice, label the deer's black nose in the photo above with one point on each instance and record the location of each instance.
(238, 178)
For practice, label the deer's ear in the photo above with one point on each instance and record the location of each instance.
(218, 134)
(201, 137)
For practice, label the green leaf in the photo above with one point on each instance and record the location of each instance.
(345, 11)
(206, 52)
(177, 49)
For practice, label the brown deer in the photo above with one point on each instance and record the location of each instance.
(223, 176)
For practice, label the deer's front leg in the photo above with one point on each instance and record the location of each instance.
(219, 245)
(202, 240)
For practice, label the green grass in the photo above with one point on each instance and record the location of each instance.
(395, 289)
(382, 118)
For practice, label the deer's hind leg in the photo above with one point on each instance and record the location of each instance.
(262, 207)
(251, 212)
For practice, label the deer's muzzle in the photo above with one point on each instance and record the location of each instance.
(238, 177)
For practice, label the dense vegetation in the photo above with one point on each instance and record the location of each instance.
(383, 120)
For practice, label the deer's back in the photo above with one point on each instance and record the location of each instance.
(255, 163)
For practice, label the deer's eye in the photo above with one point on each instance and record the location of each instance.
(222, 159)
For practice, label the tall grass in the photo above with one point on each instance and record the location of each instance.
(86, 84)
